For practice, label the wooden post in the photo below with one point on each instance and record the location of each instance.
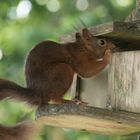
(136, 16)
(124, 76)
(124, 81)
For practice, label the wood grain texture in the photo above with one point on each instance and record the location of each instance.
(113, 30)
(124, 81)
(124, 74)
(94, 90)
(90, 119)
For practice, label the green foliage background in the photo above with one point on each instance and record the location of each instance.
(18, 35)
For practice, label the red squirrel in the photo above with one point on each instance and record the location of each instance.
(49, 71)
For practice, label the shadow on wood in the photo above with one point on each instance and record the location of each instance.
(90, 119)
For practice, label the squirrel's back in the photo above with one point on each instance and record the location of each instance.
(46, 63)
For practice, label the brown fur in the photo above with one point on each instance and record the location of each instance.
(49, 72)
(23, 131)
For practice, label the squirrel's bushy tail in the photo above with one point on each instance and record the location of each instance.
(23, 131)
(10, 89)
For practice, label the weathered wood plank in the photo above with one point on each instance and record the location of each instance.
(90, 118)
(129, 31)
(94, 90)
(124, 81)
(124, 75)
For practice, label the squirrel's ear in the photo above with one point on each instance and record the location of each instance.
(78, 36)
(86, 33)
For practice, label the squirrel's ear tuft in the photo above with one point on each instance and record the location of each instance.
(78, 36)
(86, 33)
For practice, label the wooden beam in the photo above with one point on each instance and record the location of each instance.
(125, 35)
(114, 30)
(90, 119)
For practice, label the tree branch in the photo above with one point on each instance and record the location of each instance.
(90, 119)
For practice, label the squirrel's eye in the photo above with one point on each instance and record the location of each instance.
(101, 42)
